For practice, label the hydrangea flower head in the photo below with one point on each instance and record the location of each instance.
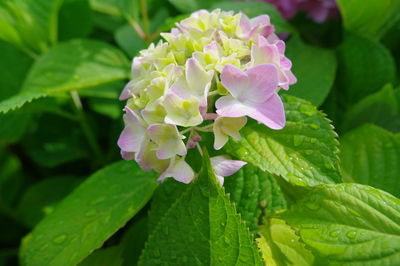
(215, 71)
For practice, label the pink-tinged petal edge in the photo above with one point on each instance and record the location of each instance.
(223, 166)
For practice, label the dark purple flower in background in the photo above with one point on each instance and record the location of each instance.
(318, 10)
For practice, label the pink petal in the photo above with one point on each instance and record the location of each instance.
(223, 166)
(263, 81)
(179, 170)
(230, 107)
(127, 155)
(129, 141)
(234, 80)
(271, 113)
(133, 134)
(126, 92)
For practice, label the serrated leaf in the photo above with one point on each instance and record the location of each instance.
(356, 80)
(30, 25)
(315, 69)
(202, 227)
(380, 108)
(255, 194)
(369, 17)
(253, 9)
(349, 224)
(74, 65)
(284, 245)
(31, 207)
(370, 155)
(164, 197)
(304, 153)
(88, 216)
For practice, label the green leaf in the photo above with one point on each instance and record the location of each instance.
(11, 74)
(48, 147)
(304, 153)
(188, 6)
(357, 80)
(255, 194)
(133, 241)
(110, 256)
(11, 182)
(88, 216)
(30, 25)
(253, 9)
(45, 194)
(12, 126)
(315, 69)
(349, 224)
(380, 108)
(369, 17)
(201, 227)
(75, 20)
(370, 155)
(164, 197)
(128, 40)
(70, 66)
(124, 8)
(284, 245)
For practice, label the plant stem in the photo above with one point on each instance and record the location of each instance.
(87, 131)
(145, 17)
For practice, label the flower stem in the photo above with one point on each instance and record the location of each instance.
(87, 131)
(145, 17)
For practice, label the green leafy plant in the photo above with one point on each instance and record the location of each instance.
(316, 183)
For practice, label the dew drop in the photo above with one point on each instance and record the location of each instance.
(59, 239)
(351, 234)
(98, 200)
(91, 212)
(45, 246)
(334, 233)
(314, 126)
(312, 205)
(297, 140)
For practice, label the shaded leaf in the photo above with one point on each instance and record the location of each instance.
(45, 194)
(128, 40)
(314, 68)
(75, 19)
(369, 17)
(380, 108)
(357, 80)
(370, 155)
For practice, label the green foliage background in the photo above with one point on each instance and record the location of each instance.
(322, 191)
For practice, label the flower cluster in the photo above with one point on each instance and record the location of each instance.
(215, 70)
(318, 10)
